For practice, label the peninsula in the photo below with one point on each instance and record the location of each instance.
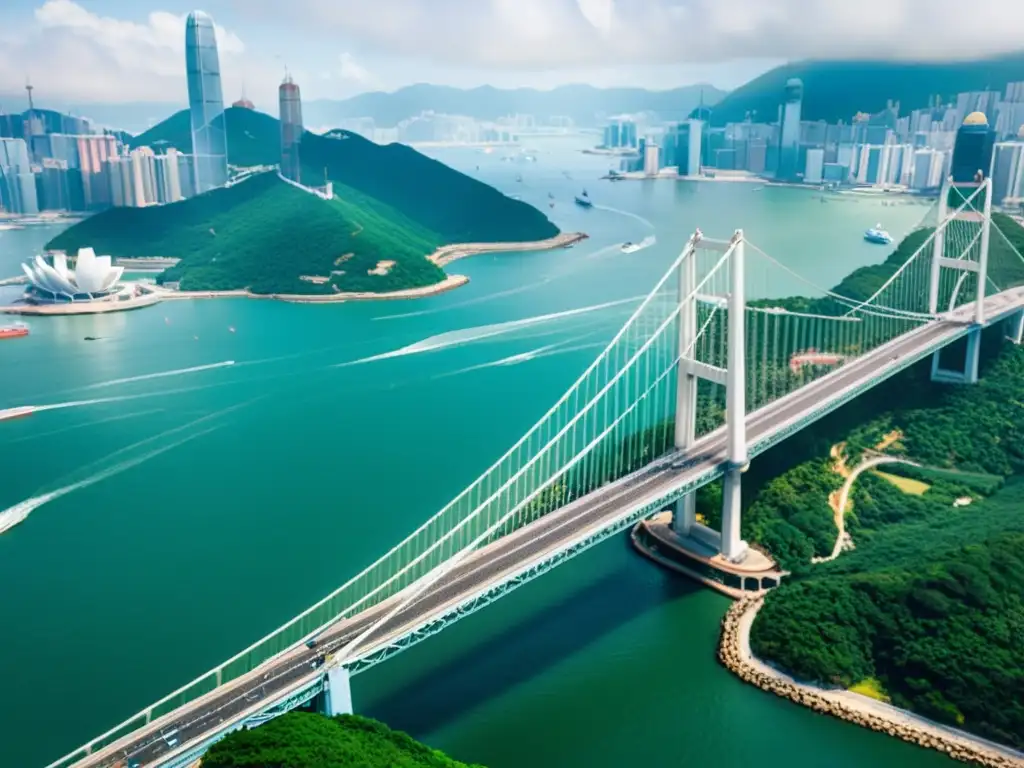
(393, 217)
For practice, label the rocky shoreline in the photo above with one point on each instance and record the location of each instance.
(733, 653)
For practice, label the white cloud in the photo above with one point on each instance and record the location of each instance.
(74, 55)
(352, 71)
(555, 34)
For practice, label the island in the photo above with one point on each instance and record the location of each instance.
(304, 740)
(381, 221)
(898, 520)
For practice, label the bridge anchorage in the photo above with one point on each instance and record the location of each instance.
(710, 370)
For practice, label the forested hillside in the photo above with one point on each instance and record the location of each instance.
(304, 740)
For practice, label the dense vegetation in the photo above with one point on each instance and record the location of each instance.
(303, 740)
(930, 604)
(837, 90)
(263, 234)
(457, 208)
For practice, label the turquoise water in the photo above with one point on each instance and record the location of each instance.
(120, 591)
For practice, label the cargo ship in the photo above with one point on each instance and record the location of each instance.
(13, 331)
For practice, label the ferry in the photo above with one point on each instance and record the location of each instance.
(16, 413)
(584, 200)
(628, 247)
(12, 331)
(878, 235)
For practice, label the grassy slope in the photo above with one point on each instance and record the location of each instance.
(304, 740)
(837, 90)
(457, 207)
(262, 234)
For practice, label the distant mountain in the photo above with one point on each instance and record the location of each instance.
(586, 105)
(133, 117)
(837, 90)
(457, 208)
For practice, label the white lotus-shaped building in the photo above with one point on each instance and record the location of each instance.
(92, 277)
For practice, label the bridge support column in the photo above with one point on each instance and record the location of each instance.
(685, 513)
(733, 547)
(986, 233)
(969, 374)
(1015, 329)
(938, 244)
(339, 692)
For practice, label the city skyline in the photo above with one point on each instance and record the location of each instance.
(121, 52)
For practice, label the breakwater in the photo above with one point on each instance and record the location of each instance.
(734, 654)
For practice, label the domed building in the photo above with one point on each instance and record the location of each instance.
(244, 103)
(92, 278)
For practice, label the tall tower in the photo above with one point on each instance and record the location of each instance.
(291, 128)
(972, 153)
(206, 103)
(789, 130)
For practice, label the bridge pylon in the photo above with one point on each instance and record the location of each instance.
(973, 196)
(732, 377)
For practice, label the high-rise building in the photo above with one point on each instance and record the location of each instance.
(972, 152)
(651, 158)
(206, 103)
(290, 100)
(815, 166)
(1008, 171)
(789, 133)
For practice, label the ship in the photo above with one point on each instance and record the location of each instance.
(16, 413)
(13, 331)
(878, 235)
(628, 247)
(584, 200)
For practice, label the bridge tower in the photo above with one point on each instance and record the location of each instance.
(732, 377)
(967, 204)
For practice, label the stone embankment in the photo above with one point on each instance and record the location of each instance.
(734, 654)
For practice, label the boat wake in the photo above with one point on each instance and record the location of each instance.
(97, 422)
(547, 350)
(161, 374)
(469, 302)
(467, 335)
(641, 219)
(12, 516)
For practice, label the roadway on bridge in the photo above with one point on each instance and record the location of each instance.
(512, 554)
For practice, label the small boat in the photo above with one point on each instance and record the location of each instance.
(519, 178)
(584, 200)
(550, 196)
(878, 235)
(15, 413)
(629, 247)
(93, 338)
(13, 331)
(231, 329)
(551, 204)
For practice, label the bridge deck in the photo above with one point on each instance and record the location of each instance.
(218, 711)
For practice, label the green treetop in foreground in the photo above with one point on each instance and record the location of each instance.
(304, 740)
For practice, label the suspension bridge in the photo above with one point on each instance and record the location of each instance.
(697, 382)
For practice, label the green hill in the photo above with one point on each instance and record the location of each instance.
(304, 740)
(453, 205)
(837, 90)
(262, 234)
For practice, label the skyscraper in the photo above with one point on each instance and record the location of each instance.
(291, 129)
(789, 130)
(206, 103)
(973, 149)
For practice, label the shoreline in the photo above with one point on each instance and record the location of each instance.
(442, 256)
(734, 654)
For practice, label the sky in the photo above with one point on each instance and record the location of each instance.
(80, 52)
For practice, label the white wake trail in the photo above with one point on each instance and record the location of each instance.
(73, 427)
(467, 335)
(11, 516)
(161, 374)
(641, 219)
